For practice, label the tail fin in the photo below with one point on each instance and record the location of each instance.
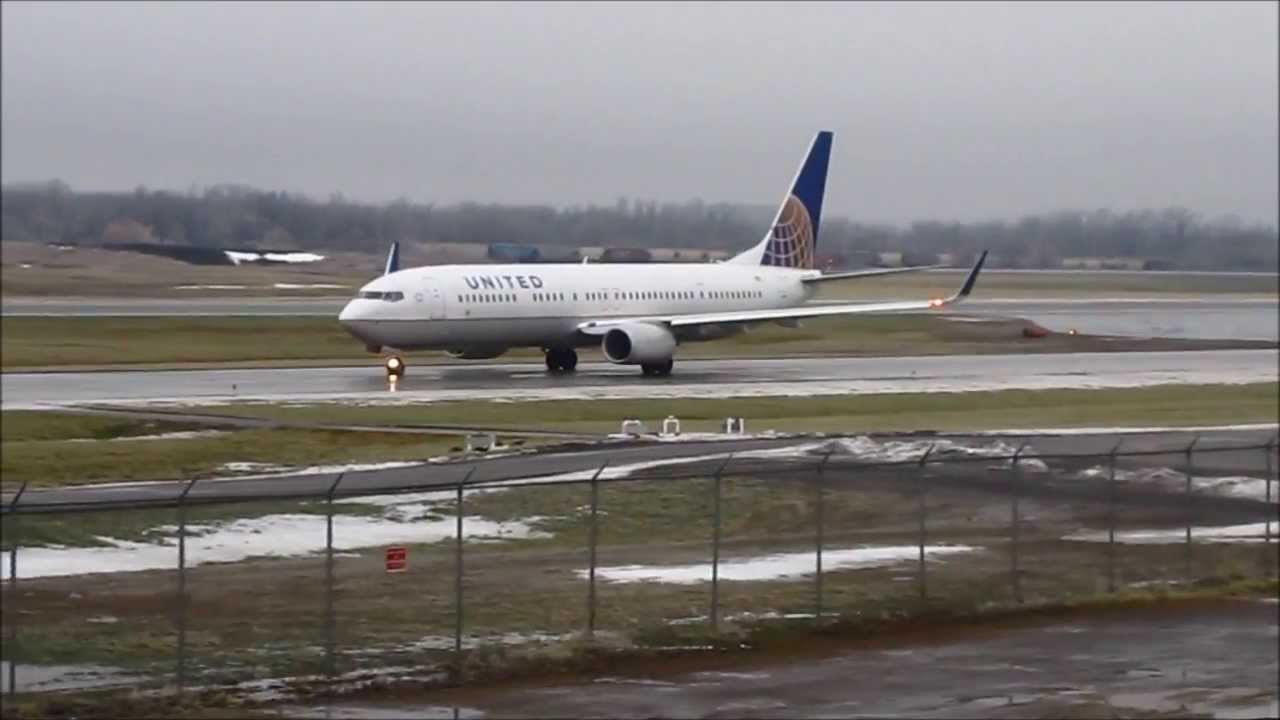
(393, 259)
(793, 240)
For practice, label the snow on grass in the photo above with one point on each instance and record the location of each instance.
(1252, 532)
(1245, 486)
(183, 435)
(773, 567)
(283, 535)
(306, 286)
(271, 470)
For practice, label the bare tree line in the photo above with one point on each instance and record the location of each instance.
(233, 216)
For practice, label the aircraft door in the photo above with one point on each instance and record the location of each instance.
(433, 298)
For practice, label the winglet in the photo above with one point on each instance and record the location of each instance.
(393, 259)
(970, 281)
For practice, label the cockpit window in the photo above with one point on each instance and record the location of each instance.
(377, 295)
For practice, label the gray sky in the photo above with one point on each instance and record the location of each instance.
(941, 111)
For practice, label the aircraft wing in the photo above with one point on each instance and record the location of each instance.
(600, 327)
(869, 273)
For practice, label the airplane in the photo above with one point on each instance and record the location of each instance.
(638, 313)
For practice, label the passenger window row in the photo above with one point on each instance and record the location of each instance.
(593, 296)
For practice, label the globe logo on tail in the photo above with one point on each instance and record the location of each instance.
(791, 241)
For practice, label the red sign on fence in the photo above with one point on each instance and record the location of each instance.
(397, 559)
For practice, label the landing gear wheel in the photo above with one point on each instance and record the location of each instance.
(561, 360)
(657, 369)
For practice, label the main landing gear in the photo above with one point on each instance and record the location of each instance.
(561, 360)
(658, 368)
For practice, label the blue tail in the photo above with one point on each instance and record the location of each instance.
(792, 241)
(393, 259)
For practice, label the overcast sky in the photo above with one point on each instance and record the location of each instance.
(941, 111)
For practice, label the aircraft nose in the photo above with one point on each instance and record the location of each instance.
(349, 313)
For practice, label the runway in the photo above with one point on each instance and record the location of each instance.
(802, 377)
(1208, 318)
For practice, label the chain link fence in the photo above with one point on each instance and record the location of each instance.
(449, 582)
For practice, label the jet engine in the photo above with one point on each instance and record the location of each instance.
(477, 353)
(638, 343)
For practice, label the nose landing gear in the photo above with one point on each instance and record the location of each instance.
(395, 370)
(561, 360)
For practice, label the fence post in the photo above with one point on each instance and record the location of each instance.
(715, 550)
(330, 669)
(457, 585)
(1186, 570)
(1015, 487)
(13, 590)
(920, 511)
(820, 520)
(1111, 517)
(1266, 534)
(593, 540)
(182, 586)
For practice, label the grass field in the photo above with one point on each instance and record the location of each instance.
(265, 617)
(29, 342)
(1160, 405)
(46, 463)
(49, 449)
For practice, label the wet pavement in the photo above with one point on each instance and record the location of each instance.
(693, 378)
(1216, 661)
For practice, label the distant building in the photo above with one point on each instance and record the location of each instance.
(1104, 263)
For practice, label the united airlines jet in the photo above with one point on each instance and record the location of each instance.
(637, 313)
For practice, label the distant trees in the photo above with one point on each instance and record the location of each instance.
(239, 216)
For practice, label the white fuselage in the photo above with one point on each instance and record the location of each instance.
(488, 308)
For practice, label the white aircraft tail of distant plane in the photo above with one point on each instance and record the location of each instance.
(638, 313)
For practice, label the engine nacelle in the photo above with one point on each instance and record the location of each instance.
(476, 353)
(636, 343)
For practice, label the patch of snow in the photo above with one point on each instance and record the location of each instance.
(773, 567)
(24, 266)
(1252, 532)
(184, 435)
(284, 535)
(209, 287)
(270, 470)
(304, 286)
(1234, 485)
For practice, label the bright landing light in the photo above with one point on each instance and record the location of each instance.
(936, 302)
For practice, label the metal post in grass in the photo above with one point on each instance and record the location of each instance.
(593, 538)
(1266, 481)
(182, 586)
(12, 615)
(819, 506)
(457, 587)
(920, 511)
(1111, 517)
(715, 549)
(330, 621)
(1186, 570)
(1014, 488)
